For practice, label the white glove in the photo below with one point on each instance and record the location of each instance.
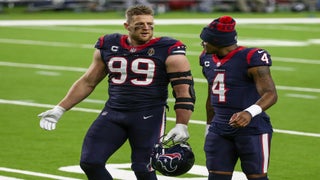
(50, 118)
(206, 130)
(178, 134)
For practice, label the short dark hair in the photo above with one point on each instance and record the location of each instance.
(138, 10)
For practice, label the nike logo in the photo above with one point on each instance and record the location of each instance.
(260, 51)
(147, 117)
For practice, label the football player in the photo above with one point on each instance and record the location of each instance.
(240, 89)
(139, 68)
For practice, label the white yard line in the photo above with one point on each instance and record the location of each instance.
(301, 96)
(50, 176)
(199, 80)
(8, 178)
(201, 122)
(244, 42)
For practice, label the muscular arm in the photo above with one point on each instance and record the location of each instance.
(84, 86)
(265, 86)
(179, 63)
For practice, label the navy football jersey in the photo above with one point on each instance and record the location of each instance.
(137, 75)
(232, 90)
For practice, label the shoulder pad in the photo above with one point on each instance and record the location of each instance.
(103, 41)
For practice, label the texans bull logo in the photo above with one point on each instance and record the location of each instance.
(169, 161)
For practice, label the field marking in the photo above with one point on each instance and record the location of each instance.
(45, 43)
(301, 96)
(283, 28)
(120, 171)
(199, 80)
(244, 42)
(202, 21)
(201, 122)
(50, 176)
(8, 178)
(42, 66)
(48, 73)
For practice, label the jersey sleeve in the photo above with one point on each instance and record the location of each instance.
(204, 61)
(201, 58)
(177, 47)
(100, 42)
(258, 57)
(104, 41)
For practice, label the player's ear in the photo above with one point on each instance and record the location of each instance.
(126, 25)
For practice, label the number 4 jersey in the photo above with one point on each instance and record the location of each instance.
(137, 75)
(232, 90)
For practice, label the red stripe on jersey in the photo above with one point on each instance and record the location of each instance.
(250, 54)
(228, 56)
(101, 40)
(124, 43)
(179, 43)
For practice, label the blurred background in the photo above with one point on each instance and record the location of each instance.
(162, 6)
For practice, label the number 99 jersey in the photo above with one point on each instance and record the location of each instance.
(232, 90)
(137, 75)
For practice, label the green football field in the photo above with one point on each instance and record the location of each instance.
(38, 64)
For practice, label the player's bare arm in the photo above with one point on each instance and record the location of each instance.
(265, 86)
(84, 86)
(78, 91)
(179, 73)
(180, 64)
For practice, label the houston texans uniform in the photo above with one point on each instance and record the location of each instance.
(137, 75)
(232, 91)
(138, 92)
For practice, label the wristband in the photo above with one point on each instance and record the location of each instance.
(254, 110)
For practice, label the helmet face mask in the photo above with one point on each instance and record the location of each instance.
(172, 159)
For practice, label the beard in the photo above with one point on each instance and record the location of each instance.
(142, 38)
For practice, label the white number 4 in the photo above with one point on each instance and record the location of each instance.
(265, 58)
(218, 87)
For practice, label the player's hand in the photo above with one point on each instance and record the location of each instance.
(178, 134)
(50, 118)
(240, 119)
